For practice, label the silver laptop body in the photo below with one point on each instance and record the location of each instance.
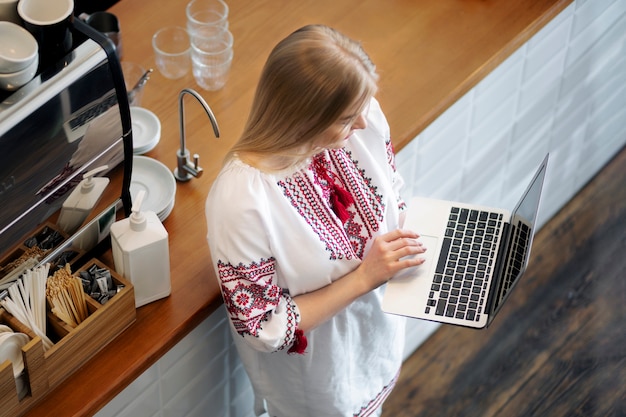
(475, 256)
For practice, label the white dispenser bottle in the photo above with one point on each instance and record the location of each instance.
(82, 200)
(141, 253)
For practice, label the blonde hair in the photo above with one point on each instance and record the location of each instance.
(309, 80)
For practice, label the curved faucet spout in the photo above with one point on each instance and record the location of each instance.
(185, 170)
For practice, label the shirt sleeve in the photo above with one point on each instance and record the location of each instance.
(396, 178)
(259, 310)
(378, 123)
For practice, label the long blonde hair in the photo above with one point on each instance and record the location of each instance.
(309, 80)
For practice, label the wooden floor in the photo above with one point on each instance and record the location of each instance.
(558, 347)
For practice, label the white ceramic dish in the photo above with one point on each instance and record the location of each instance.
(14, 80)
(158, 183)
(8, 11)
(146, 130)
(11, 349)
(16, 362)
(18, 48)
(166, 212)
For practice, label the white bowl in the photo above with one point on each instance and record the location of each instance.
(15, 80)
(8, 11)
(18, 49)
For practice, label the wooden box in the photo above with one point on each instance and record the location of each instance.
(12, 262)
(46, 370)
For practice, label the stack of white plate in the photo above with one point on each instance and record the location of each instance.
(11, 344)
(158, 183)
(19, 56)
(146, 130)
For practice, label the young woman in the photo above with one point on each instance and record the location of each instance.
(304, 230)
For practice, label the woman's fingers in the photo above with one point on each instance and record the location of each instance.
(399, 234)
(409, 250)
(401, 239)
(404, 249)
(391, 253)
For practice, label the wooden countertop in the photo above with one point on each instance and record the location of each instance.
(429, 53)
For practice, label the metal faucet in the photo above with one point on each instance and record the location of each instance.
(186, 169)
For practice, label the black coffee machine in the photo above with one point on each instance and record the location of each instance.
(72, 118)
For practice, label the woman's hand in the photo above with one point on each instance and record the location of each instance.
(390, 253)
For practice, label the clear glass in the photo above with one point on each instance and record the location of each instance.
(205, 16)
(171, 51)
(211, 60)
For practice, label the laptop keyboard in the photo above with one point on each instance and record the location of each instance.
(465, 263)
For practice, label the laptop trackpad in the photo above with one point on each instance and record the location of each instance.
(431, 243)
(407, 292)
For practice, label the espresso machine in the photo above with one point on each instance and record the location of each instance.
(71, 119)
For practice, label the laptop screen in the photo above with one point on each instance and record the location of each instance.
(522, 229)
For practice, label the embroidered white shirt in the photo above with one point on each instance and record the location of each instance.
(274, 236)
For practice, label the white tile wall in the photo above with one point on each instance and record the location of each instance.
(564, 91)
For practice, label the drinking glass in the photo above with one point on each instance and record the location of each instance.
(171, 51)
(211, 59)
(206, 18)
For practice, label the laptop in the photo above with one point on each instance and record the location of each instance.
(475, 256)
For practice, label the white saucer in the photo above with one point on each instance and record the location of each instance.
(158, 183)
(163, 215)
(146, 130)
(11, 349)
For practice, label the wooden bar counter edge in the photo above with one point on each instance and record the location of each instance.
(428, 53)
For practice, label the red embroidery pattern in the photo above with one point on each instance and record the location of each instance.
(312, 206)
(369, 206)
(391, 155)
(332, 189)
(295, 339)
(377, 401)
(249, 294)
(311, 199)
(391, 159)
